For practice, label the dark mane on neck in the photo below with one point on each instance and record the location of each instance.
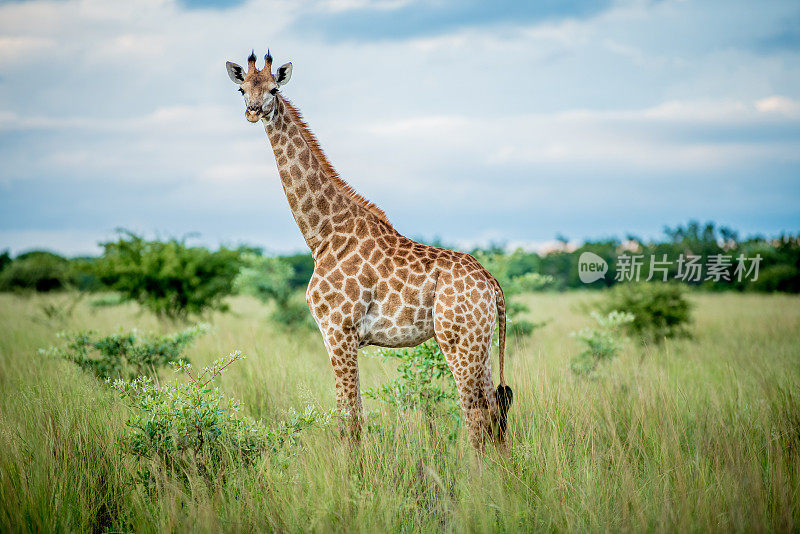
(316, 150)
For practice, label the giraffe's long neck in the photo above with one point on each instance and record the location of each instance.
(320, 201)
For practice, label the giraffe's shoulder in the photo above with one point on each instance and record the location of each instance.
(412, 252)
(463, 265)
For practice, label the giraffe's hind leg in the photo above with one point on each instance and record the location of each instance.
(469, 365)
(463, 329)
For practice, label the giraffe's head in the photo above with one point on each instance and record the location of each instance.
(259, 87)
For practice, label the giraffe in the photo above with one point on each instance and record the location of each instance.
(373, 286)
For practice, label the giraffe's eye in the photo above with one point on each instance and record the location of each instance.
(241, 90)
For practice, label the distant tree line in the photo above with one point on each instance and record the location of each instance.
(778, 264)
(778, 260)
(175, 279)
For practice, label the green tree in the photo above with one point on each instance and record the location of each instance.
(37, 271)
(168, 277)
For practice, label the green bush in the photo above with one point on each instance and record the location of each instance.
(193, 427)
(37, 271)
(125, 354)
(602, 344)
(270, 280)
(168, 277)
(424, 381)
(660, 310)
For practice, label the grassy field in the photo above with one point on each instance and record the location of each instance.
(694, 435)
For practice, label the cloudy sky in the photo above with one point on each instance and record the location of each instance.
(470, 121)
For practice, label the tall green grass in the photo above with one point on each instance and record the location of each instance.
(697, 434)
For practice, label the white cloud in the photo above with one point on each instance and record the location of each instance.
(18, 49)
(724, 110)
(337, 6)
(435, 126)
(779, 104)
(633, 139)
(130, 45)
(227, 173)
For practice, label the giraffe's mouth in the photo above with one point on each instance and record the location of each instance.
(253, 115)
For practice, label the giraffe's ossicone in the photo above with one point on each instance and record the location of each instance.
(371, 285)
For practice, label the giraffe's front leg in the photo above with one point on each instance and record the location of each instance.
(343, 351)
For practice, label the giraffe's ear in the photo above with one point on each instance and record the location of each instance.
(235, 72)
(284, 74)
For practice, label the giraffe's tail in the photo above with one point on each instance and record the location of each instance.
(504, 394)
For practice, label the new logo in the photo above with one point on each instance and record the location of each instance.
(591, 267)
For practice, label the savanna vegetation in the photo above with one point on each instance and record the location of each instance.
(657, 407)
(699, 433)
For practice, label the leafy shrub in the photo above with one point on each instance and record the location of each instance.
(270, 280)
(424, 381)
(194, 427)
(36, 271)
(660, 310)
(168, 277)
(125, 354)
(602, 344)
